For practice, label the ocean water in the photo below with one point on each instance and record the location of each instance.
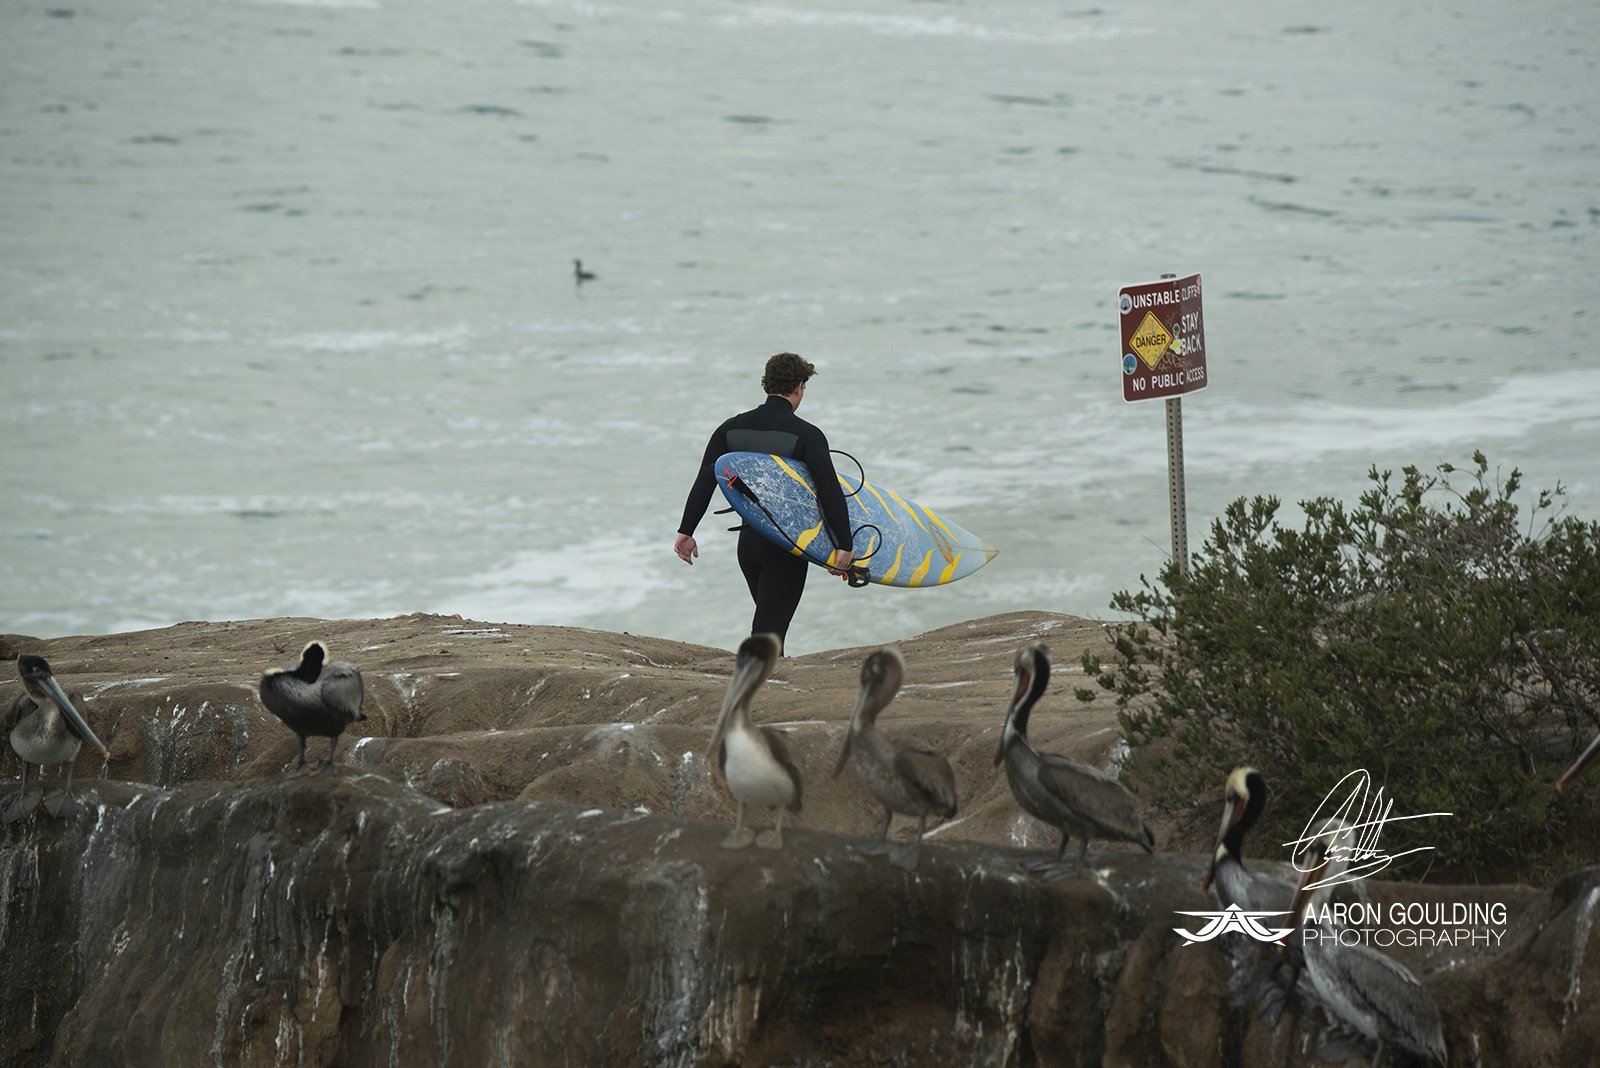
(288, 323)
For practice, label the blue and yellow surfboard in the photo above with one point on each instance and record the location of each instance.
(902, 542)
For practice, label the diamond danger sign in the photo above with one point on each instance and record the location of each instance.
(1163, 339)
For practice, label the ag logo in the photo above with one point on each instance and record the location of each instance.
(1233, 918)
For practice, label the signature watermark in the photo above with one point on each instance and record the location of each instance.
(1364, 814)
(1350, 823)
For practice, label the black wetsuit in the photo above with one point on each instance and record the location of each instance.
(775, 575)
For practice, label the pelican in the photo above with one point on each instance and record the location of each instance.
(1586, 760)
(759, 764)
(1370, 991)
(912, 779)
(1072, 797)
(580, 274)
(46, 728)
(314, 697)
(1243, 798)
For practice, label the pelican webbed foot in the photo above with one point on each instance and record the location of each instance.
(26, 802)
(906, 857)
(738, 838)
(1055, 873)
(872, 847)
(772, 839)
(60, 804)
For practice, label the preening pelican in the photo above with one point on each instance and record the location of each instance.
(1370, 991)
(314, 698)
(759, 764)
(1072, 797)
(910, 779)
(46, 727)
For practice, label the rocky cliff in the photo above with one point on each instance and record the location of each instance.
(517, 864)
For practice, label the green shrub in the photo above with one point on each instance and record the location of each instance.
(1427, 636)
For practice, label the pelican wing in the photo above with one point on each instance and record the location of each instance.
(1383, 987)
(19, 708)
(929, 774)
(784, 752)
(1095, 796)
(342, 690)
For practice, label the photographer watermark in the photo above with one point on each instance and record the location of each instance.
(1349, 823)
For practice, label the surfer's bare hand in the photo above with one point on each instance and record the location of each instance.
(841, 564)
(686, 549)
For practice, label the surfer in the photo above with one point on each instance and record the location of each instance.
(776, 576)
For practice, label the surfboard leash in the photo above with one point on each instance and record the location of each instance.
(855, 575)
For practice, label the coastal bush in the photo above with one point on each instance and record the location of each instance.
(1431, 635)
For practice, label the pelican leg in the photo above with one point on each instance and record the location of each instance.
(333, 743)
(1049, 864)
(1059, 869)
(60, 803)
(300, 762)
(879, 844)
(24, 804)
(907, 857)
(741, 835)
(772, 839)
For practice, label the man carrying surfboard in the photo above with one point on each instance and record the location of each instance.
(775, 575)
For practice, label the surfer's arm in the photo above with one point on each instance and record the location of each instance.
(830, 497)
(705, 483)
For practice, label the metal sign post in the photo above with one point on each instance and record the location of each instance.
(1164, 355)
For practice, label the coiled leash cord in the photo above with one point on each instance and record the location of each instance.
(856, 574)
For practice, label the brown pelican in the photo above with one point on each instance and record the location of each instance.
(46, 727)
(911, 779)
(1072, 797)
(1243, 798)
(759, 764)
(1367, 990)
(314, 697)
(1586, 760)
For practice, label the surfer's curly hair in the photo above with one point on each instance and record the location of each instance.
(785, 372)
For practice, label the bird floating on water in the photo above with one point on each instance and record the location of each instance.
(46, 727)
(314, 698)
(910, 779)
(1070, 796)
(1367, 990)
(580, 274)
(759, 764)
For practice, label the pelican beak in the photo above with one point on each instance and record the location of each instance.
(1232, 809)
(1302, 895)
(1585, 761)
(746, 671)
(79, 727)
(1023, 679)
(1211, 872)
(850, 732)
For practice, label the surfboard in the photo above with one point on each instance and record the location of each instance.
(897, 540)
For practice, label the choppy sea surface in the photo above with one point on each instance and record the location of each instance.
(289, 326)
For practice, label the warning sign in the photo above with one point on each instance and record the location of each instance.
(1163, 339)
(1151, 341)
